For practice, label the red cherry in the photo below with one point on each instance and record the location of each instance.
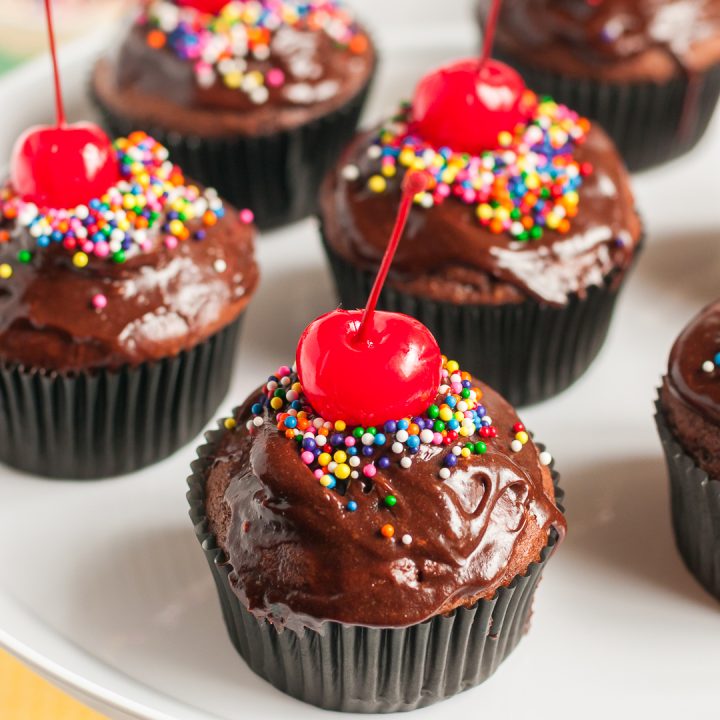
(392, 372)
(63, 166)
(212, 7)
(466, 105)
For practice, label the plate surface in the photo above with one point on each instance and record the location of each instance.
(104, 589)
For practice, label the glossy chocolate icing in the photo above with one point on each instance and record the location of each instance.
(698, 343)
(159, 303)
(153, 85)
(447, 255)
(299, 558)
(651, 39)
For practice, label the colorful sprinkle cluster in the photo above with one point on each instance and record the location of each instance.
(151, 198)
(528, 184)
(222, 45)
(336, 453)
(710, 366)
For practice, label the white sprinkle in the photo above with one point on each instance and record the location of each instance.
(708, 366)
(354, 474)
(401, 436)
(367, 439)
(261, 52)
(516, 446)
(545, 458)
(427, 200)
(259, 95)
(456, 450)
(220, 265)
(331, 467)
(351, 173)
(426, 436)
(462, 406)
(291, 396)
(320, 440)
(257, 421)
(397, 448)
(405, 462)
(407, 539)
(444, 473)
(354, 461)
(272, 385)
(487, 419)
(444, 389)
(249, 424)
(285, 381)
(374, 152)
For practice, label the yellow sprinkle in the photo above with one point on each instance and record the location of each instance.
(446, 414)
(377, 184)
(465, 452)
(504, 138)
(407, 158)
(522, 436)
(389, 170)
(339, 424)
(485, 212)
(452, 366)
(465, 432)
(340, 456)
(276, 403)
(6, 271)
(297, 387)
(325, 480)
(80, 259)
(342, 471)
(230, 423)
(324, 459)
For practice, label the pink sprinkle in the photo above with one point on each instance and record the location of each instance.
(318, 473)
(369, 471)
(99, 301)
(307, 457)
(102, 249)
(246, 216)
(146, 246)
(457, 387)
(88, 247)
(349, 441)
(283, 371)
(171, 242)
(275, 77)
(437, 439)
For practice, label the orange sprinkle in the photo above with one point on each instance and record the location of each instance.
(387, 530)
(414, 429)
(156, 39)
(359, 44)
(209, 218)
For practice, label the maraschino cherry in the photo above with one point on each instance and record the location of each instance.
(212, 7)
(65, 165)
(366, 366)
(466, 105)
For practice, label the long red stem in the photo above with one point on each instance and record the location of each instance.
(59, 107)
(489, 34)
(414, 182)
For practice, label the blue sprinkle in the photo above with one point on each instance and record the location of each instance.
(403, 425)
(380, 439)
(352, 506)
(413, 442)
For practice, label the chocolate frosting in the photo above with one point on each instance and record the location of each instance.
(698, 343)
(611, 39)
(159, 302)
(299, 558)
(150, 85)
(447, 255)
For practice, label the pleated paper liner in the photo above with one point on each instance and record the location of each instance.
(527, 351)
(354, 668)
(277, 176)
(695, 507)
(650, 123)
(91, 425)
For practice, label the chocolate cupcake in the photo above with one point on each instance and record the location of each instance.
(375, 518)
(516, 253)
(648, 71)
(688, 419)
(256, 99)
(119, 308)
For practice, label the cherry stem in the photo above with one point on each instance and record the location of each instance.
(59, 107)
(489, 35)
(414, 182)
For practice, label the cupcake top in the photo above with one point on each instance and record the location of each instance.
(612, 40)
(151, 267)
(378, 526)
(690, 395)
(547, 213)
(251, 66)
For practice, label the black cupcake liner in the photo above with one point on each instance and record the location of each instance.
(650, 122)
(96, 424)
(527, 351)
(354, 668)
(695, 508)
(277, 176)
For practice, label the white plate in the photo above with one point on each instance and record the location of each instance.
(105, 591)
